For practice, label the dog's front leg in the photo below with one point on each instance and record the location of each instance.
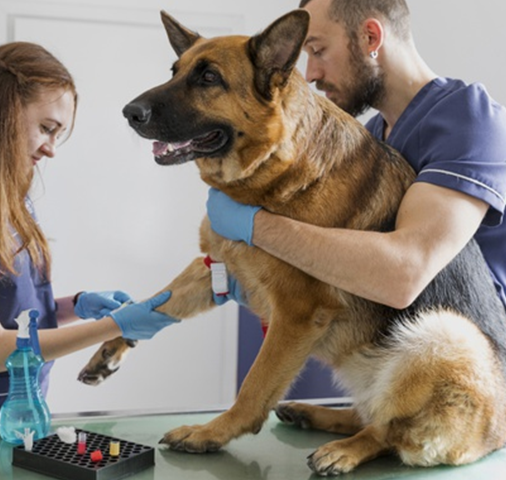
(191, 295)
(191, 292)
(288, 343)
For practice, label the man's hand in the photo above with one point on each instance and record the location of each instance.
(235, 293)
(229, 218)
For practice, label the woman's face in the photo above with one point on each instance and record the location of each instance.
(47, 119)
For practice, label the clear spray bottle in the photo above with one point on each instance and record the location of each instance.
(25, 410)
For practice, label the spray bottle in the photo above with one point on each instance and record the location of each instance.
(25, 410)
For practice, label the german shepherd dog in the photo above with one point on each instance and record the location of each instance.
(428, 382)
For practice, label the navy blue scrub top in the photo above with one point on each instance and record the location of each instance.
(454, 136)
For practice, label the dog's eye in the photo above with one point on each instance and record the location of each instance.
(206, 75)
(210, 78)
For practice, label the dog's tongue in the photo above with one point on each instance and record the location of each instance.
(161, 148)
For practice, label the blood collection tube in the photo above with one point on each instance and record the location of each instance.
(81, 443)
(114, 448)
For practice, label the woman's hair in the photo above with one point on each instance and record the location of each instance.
(27, 72)
(351, 14)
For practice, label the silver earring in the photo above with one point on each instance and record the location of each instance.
(374, 54)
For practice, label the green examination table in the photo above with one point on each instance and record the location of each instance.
(278, 452)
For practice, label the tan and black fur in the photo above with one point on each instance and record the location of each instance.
(428, 382)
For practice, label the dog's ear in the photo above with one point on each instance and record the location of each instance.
(180, 37)
(274, 52)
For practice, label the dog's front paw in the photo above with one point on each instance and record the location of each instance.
(192, 439)
(106, 361)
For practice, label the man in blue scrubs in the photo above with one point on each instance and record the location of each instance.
(361, 54)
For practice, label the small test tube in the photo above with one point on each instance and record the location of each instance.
(81, 443)
(114, 448)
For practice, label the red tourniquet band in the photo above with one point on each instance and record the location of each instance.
(208, 261)
(264, 329)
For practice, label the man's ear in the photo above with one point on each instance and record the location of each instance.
(373, 35)
(180, 37)
(274, 52)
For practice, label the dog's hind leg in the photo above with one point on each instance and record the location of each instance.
(434, 395)
(344, 421)
(447, 399)
(342, 456)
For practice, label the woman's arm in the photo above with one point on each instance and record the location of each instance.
(137, 321)
(57, 342)
(65, 313)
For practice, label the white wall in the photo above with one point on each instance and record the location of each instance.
(118, 220)
(463, 39)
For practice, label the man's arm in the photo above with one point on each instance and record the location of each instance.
(433, 225)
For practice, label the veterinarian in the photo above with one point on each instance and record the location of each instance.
(37, 109)
(361, 54)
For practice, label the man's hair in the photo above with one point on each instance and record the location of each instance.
(351, 13)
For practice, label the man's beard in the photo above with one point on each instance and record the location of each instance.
(366, 89)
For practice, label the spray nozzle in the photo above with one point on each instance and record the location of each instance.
(23, 322)
(27, 329)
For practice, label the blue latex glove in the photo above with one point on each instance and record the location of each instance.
(229, 218)
(234, 293)
(99, 304)
(139, 321)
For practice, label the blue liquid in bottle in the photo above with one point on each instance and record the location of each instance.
(25, 407)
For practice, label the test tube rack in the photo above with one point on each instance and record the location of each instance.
(50, 456)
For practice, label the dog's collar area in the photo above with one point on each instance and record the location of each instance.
(219, 279)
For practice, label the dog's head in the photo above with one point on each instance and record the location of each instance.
(223, 106)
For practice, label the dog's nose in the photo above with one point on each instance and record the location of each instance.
(137, 113)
